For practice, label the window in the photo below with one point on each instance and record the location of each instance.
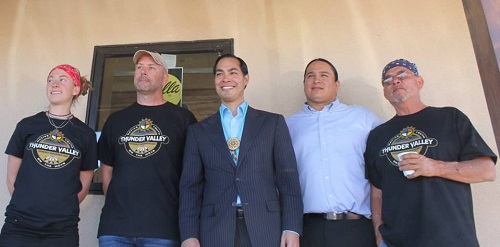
(113, 73)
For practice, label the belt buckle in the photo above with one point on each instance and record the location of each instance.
(334, 216)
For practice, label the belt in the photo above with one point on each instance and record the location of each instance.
(239, 213)
(335, 216)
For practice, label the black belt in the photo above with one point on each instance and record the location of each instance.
(335, 216)
(239, 213)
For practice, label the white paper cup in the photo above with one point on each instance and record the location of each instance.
(400, 157)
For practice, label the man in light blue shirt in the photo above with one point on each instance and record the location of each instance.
(329, 139)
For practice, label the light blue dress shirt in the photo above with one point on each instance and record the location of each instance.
(233, 125)
(329, 146)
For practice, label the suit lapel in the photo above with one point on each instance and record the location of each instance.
(253, 122)
(213, 127)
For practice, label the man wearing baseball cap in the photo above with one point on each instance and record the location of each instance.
(140, 150)
(433, 205)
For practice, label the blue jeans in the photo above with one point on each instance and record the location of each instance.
(118, 241)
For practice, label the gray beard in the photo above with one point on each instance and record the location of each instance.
(399, 99)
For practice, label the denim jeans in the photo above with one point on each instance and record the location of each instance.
(382, 245)
(118, 241)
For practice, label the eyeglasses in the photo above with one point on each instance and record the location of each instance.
(401, 75)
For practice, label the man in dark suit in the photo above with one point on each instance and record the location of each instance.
(239, 185)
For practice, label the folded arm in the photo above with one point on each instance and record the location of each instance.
(471, 171)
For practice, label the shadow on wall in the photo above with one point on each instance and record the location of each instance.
(373, 98)
(291, 93)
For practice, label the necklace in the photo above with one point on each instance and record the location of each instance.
(65, 116)
(67, 119)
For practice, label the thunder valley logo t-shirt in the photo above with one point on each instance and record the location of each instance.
(143, 139)
(53, 150)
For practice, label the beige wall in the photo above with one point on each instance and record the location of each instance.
(276, 38)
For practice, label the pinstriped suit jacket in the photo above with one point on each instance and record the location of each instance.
(265, 178)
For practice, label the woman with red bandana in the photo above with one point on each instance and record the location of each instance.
(51, 162)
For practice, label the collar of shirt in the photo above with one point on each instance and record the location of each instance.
(327, 108)
(233, 125)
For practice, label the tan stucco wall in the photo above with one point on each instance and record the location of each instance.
(276, 38)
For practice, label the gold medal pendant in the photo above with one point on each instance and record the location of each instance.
(233, 143)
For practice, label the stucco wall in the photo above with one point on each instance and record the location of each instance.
(276, 38)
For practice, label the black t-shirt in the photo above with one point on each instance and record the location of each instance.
(48, 180)
(425, 211)
(144, 145)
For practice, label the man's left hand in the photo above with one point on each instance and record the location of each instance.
(290, 239)
(422, 165)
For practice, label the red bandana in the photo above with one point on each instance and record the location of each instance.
(71, 71)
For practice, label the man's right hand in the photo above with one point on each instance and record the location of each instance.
(191, 242)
